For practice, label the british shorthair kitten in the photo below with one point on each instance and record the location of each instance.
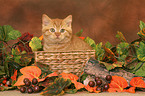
(57, 35)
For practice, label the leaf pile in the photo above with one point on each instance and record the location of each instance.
(130, 56)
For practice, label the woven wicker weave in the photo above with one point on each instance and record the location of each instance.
(70, 61)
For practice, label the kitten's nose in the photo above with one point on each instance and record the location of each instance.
(57, 34)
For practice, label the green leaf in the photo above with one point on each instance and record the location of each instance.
(122, 50)
(35, 44)
(141, 71)
(2, 71)
(57, 87)
(142, 25)
(121, 37)
(14, 34)
(108, 45)
(4, 31)
(71, 91)
(138, 66)
(141, 52)
(90, 41)
(17, 59)
(112, 66)
(99, 51)
(79, 33)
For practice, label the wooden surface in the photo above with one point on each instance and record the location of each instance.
(17, 93)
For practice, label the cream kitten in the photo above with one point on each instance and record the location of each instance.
(57, 35)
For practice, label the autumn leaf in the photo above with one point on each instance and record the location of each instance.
(118, 84)
(29, 72)
(137, 82)
(35, 44)
(130, 90)
(32, 71)
(78, 85)
(110, 66)
(14, 77)
(82, 38)
(23, 44)
(73, 79)
(120, 36)
(69, 76)
(50, 75)
(20, 80)
(91, 89)
(41, 37)
(57, 87)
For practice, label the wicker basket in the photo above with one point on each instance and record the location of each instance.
(70, 61)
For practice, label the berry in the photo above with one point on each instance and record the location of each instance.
(34, 81)
(99, 89)
(97, 78)
(108, 77)
(30, 90)
(91, 83)
(4, 81)
(28, 83)
(106, 86)
(25, 80)
(36, 88)
(99, 82)
(23, 89)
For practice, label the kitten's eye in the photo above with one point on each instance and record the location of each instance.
(62, 30)
(52, 30)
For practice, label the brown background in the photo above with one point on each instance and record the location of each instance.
(100, 19)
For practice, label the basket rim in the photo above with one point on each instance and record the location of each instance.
(67, 51)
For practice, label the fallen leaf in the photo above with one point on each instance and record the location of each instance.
(91, 89)
(32, 71)
(130, 90)
(20, 81)
(118, 84)
(50, 75)
(69, 76)
(78, 85)
(29, 72)
(137, 82)
(14, 77)
(73, 79)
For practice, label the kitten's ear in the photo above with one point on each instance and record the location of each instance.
(46, 20)
(68, 20)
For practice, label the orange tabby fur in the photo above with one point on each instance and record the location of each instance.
(57, 35)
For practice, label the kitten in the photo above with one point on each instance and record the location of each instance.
(57, 35)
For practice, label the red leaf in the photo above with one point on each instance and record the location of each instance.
(118, 84)
(25, 38)
(82, 38)
(14, 77)
(137, 82)
(131, 90)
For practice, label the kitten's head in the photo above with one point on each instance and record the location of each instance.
(56, 30)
